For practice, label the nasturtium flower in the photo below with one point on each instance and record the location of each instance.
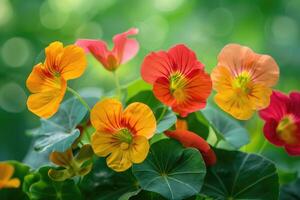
(71, 166)
(6, 173)
(122, 134)
(178, 79)
(190, 139)
(124, 49)
(243, 80)
(282, 121)
(48, 80)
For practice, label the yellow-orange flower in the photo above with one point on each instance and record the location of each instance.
(48, 80)
(122, 134)
(6, 173)
(243, 80)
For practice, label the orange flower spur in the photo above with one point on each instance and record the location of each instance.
(243, 80)
(122, 134)
(178, 79)
(48, 80)
(6, 173)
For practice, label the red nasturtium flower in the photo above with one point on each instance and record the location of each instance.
(243, 80)
(190, 139)
(122, 134)
(48, 80)
(6, 173)
(124, 49)
(282, 121)
(178, 79)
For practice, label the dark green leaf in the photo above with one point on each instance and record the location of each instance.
(230, 132)
(290, 191)
(171, 170)
(39, 186)
(105, 184)
(239, 175)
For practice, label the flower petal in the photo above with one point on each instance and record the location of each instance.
(139, 149)
(7, 171)
(278, 107)
(106, 115)
(62, 159)
(239, 106)
(294, 103)
(72, 62)
(119, 160)
(260, 96)
(271, 134)
(161, 90)
(104, 143)
(48, 93)
(96, 47)
(53, 53)
(13, 183)
(124, 47)
(221, 78)
(139, 118)
(156, 65)
(293, 150)
(184, 59)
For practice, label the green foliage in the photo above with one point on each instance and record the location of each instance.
(290, 191)
(171, 170)
(38, 186)
(59, 132)
(105, 184)
(20, 172)
(239, 175)
(229, 133)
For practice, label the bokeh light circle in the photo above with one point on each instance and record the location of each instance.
(221, 27)
(90, 30)
(12, 98)
(167, 5)
(16, 52)
(6, 12)
(285, 30)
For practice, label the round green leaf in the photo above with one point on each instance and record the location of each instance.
(39, 186)
(171, 170)
(228, 130)
(239, 175)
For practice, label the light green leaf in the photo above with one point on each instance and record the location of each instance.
(168, 119)
(230, 132)
(239, 175)
(171, 170)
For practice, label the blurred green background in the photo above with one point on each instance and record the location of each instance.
(27, 27)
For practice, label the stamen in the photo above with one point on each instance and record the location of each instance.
(177, 85)
(241, 82)
(286, 129)
(124, 135)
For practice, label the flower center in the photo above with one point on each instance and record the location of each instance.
(286, 130)
(124, 135)
(177, 85)
(241, 82)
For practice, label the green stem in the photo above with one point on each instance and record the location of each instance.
(162, 114)
(117, 83)
(262, 147)
(79, 98)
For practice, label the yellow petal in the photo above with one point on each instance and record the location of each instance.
(53, 53)
(12, 183)
(139, 149)
(6, 171)
(72, 62)
(62, 159)
(260, 96)
(221, 78)
(106, 115)
(104, 143)
(239, 106)
(119, 160)
(140, 119)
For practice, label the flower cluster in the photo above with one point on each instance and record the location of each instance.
(123, 130)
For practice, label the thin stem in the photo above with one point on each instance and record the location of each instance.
(262, 147)
(162, 114)
(84, 103)
(117, 83)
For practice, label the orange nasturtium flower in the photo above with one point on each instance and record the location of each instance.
(122, 133)
(6, 173)
(124, 49)
(178, 79)
(48, 80)
(243, 80)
